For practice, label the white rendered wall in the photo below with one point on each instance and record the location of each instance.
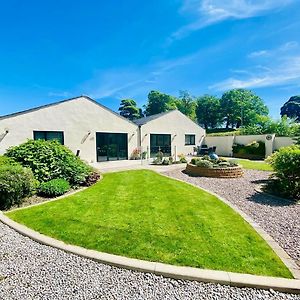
(283, 142)
(176, 124)
(224, 143)
(76, 118)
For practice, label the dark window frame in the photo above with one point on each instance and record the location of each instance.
(191, 140)
(45, 132)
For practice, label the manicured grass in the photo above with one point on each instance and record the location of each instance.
(254, 165)
(142, 214)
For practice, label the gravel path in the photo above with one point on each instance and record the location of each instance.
(280, 218)
(34, 271)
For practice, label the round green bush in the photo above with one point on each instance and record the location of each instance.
(49, 160)
(16, 183)
(54, 187)
(194, 160)
(204, 163)
(286, 164)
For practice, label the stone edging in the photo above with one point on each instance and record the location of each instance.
(177, 272)
(233, 172)
(286, 259)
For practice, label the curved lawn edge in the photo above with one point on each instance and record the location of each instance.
(286, 259)
(167, 270)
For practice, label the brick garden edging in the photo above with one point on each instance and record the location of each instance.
(232, 172)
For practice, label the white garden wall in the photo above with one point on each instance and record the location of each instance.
(282, 142)
(224, 143)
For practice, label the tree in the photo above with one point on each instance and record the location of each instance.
(241, 107)
(159, 102)
(129, 109)
(186, 104)
(291, 108)
(208, 111)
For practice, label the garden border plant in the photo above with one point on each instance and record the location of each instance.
(55, 168)
(285, 182)
(16, 183)
(253, 150)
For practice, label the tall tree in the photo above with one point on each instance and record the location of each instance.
(208, 111)
(159, 102)
(186, 104)
(291, 108)
(241, 107)
(129, 109)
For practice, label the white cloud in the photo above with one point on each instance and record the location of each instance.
(281, 68)
(126, 82)
(258, 53)
(59, 94)
(288, 46)
(284, 71)
(209, 12)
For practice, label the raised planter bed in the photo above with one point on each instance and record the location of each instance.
(232, 172)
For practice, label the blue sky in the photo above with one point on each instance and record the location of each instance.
(109, 50)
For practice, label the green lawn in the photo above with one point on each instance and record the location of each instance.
(254, 165)
(144, 215)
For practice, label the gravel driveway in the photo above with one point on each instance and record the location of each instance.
(34, 271)
(280, 218)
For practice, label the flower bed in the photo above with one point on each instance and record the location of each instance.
(232, 172)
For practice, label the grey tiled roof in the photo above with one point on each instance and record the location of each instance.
(145, 120)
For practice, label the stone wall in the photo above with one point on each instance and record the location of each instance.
(232, 172)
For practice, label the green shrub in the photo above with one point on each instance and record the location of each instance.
(286, 164)
(194, 160)
(158, 158)
(16, 183)
(224, 164)
(166, 161)
(204, 163)
(144, 154)
(54, 187)
(253, 148)
(49, 160)
(182, 158)
(4, 160)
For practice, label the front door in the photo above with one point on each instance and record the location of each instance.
(111, 146)
(160, 142)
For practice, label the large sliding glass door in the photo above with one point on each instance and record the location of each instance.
(111, 146)
(160, 142)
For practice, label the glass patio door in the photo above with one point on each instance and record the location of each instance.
(160, 142)
(111, 146)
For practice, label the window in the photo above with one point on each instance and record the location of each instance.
(49, 135)
(160, 142)
(190, 139)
